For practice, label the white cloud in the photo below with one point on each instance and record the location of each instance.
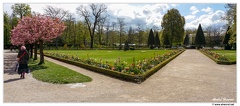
(207, 10)
(147, 15)
(208, 20)
(189, 17)
(174, 5)
(194, 10)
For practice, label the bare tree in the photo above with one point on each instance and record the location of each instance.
(71, 32)
(113, 33)
(107, 33)
(130, 35)
(121, 28)
(100, 26)
(140, 34)
(55, 12)
(216, 35)
(92, 17)
(209, 37)
(155, 29)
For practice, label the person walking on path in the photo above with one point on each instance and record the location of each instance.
(22, 59)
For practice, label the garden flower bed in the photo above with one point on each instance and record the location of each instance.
(219, 59)
(138, 71)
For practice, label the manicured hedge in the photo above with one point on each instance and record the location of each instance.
(212, 55)
(129, 77)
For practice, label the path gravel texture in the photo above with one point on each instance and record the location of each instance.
(191, 77)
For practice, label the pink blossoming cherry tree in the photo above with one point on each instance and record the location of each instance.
(37, 29)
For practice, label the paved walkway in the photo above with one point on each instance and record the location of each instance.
(191, 77)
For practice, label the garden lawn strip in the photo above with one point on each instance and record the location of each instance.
(112, 56)
(230, 54)
(53, 73)
(219, 59)
(133, 73)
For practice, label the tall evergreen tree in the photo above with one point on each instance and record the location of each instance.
(200, 39)
(157, 41)
(186, 40)
(151, 41)
(226, 44)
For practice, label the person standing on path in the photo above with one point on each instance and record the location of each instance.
(22, 59)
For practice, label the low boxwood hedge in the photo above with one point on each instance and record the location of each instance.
(128, 77)
(218, 61)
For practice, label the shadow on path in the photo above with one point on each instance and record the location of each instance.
(11, 80)
(11, 70)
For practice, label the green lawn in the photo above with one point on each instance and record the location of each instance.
(113, 55)
(53, 73)
(230, 54)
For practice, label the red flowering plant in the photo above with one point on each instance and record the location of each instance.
(215, 55)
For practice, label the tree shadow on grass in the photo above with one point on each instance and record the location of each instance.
(33, 66)
(37, 67)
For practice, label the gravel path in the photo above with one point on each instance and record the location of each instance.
(191, 77)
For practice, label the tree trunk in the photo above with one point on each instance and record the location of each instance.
(28, 47)
(35, 51)
(41, 53)
(120, 46)
(31, 50)
(91, 46)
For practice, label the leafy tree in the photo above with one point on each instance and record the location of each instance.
(7, 29)
(151, 40)
(38, 29)
(166, 41)
(226, 39)
(186, 40)
(173, 25)
(231, 18)
(21, 10)
(157, 41)
(231, 13)
(200, 39)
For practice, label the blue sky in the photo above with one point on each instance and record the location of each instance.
(184, 8)
(150, 14)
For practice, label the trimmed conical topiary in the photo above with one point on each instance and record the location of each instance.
(200, 39)
(157, 41)
(151, 41)
(186, 40)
